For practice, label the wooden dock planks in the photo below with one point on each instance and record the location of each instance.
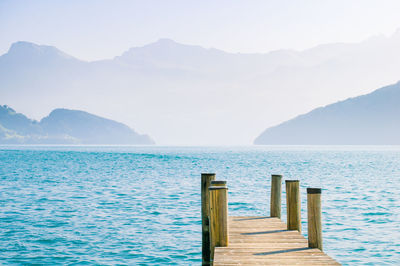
(265, 241)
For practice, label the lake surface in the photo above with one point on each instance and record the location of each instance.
(141, 205)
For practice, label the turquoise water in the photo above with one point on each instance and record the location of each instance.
(141, 205)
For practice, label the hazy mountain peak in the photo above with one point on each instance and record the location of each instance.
(166, 41)
(63, 111)
(25, 49)
(163, 45)
(168, 54)
(16, 122)
(90, 129)
(169, 43)
(5, 109)
(22, 46)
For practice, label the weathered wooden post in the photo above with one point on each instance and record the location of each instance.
(276, 191)
(293, 205)
(206, 179)
(314, 214)
(218, 217)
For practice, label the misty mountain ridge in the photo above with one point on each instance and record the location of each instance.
(63, 126)
(187, 88)
(372, 119)
(31, 50)
(33, 54)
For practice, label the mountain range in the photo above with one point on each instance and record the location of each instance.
(187, 94)
(372, 119)
(63, 126)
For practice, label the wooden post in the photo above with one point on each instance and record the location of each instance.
(276, 191)
(217, 183)
(205, 184)
(293, 205)
(218, 218)
(314, 214)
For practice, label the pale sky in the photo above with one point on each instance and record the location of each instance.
(98, 29)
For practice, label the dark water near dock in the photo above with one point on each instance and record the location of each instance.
(141, 205)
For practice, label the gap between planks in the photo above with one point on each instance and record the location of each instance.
(260, 240)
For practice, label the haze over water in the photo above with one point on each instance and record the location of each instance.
(141, 205)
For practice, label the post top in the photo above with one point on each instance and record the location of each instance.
(207, 173)
(216, 188)
(290, 181)
(313, 190)
(218, 182)
(276, 175)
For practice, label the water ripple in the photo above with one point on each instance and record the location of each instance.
(141, 205)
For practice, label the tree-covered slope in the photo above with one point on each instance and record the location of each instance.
(368, 119)
(65, 126)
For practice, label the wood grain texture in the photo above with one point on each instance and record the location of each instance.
(218, 218)
(276, 191)
(314, 219)
(259, 240)
(293, 207)
(205, 184)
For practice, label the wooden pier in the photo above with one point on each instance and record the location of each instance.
(261, 240)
